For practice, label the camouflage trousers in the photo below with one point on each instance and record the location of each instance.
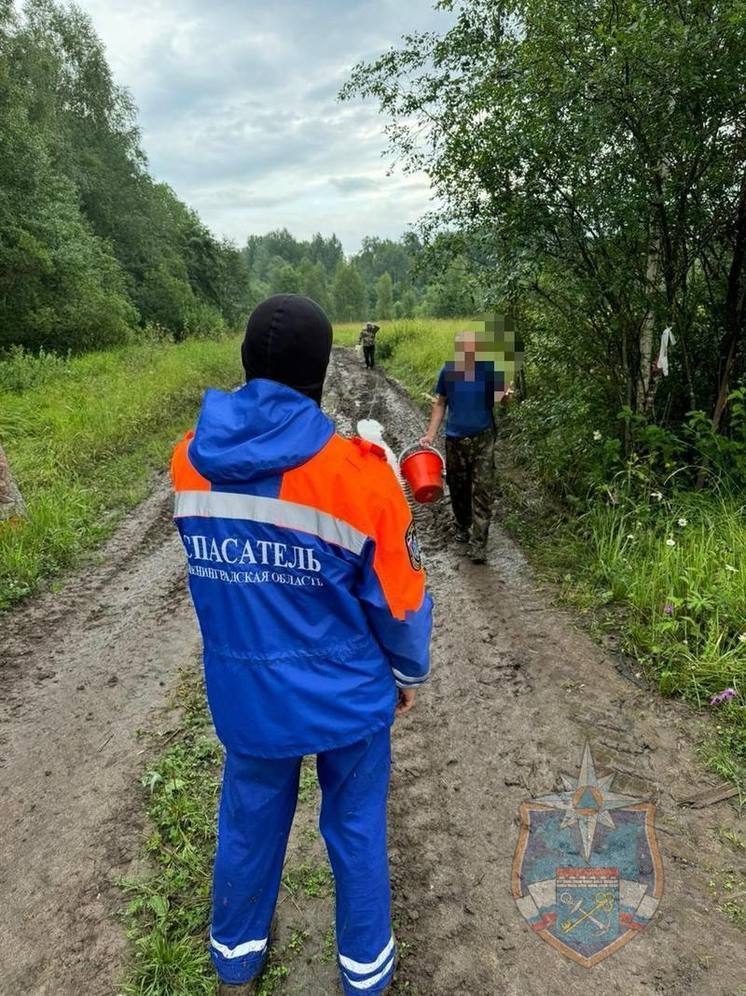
(470, 463)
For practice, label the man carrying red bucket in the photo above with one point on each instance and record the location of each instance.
(466, 393)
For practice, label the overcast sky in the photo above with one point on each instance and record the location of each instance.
(238, 109)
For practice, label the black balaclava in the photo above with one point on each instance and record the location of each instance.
(288, 339)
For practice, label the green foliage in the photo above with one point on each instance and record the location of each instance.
(82, 436)
(384, 297)
(314, 284)
(661, 567)
(725, 751)
(20, 371)
(387, 280)
(408, 304)
(453, 295)
(283, 278)
(402, 260)
(348, 292)
(671, 559)
(592, 172)
(60, 286)
(91, 245)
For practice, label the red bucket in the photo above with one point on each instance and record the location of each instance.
(423, 471)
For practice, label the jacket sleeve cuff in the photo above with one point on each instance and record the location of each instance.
(406, 681)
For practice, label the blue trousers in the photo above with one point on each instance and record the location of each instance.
(256, 811)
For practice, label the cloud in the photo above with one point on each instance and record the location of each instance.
(354, 184)
(238, 109)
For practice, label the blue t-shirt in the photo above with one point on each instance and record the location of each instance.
(469, 402)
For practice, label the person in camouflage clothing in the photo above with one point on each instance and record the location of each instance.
(466, 393)
(470, 477)
(368, 340)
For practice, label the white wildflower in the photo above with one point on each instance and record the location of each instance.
(597, 435)
(670, 541)
(683, 522)
(657, 495)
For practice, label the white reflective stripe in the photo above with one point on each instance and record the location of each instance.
(288, 514)
(359, 968)
(373, 980)
(405, 678)
(409, 684)
(249, 947)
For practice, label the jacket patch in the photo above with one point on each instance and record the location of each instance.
(413, 547)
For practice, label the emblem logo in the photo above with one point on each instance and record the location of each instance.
(587, 873)
(413, 546)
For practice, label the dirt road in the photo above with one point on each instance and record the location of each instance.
(516, 692)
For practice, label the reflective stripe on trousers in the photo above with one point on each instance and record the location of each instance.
(256, 811)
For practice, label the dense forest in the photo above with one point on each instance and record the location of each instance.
(384, 280)
(92, 247)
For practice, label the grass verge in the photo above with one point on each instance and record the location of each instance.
(167, 912)
(662, 580)
(83, 436)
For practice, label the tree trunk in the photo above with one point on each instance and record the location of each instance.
(732, 341)
(652, 282)
(11, 503)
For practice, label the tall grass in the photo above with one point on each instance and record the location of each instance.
(680, 574)
(83, 437)
(669, 575)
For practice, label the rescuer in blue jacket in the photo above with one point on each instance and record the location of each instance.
(306, 578)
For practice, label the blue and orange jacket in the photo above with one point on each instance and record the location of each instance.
(304, 571)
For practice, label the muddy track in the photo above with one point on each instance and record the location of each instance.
(80, 672)
(516, 691)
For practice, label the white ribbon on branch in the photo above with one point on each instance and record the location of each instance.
(667, 339)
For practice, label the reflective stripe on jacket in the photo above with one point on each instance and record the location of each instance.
(304, 571)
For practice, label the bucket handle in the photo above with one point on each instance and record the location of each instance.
(420, 447)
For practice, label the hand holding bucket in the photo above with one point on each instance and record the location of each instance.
(422, 469)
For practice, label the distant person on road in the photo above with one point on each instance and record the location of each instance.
(465, 395)
(306, 578)
(368, 340)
